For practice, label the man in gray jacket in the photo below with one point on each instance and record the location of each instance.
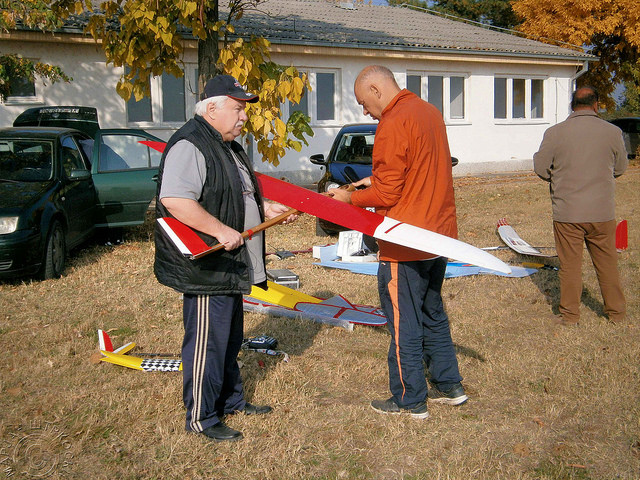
(580, 157)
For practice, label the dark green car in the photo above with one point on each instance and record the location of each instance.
(58, 185)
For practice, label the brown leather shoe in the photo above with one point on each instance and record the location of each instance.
(617, 318)
(560, 320)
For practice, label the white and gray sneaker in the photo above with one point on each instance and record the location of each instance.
(389, 406)
(454, 396)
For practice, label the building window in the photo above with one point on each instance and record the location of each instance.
(322, 103)
(518, 98)
(445, 92)
(22, 87)
(139, 111)
(171, 102)
(173, 99)
(537, 98)
(325, 96)
(303, 106)
(435, 92)
(500, 98)
(518, 107)
(23, 91)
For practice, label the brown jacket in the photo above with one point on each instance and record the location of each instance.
(580, 157)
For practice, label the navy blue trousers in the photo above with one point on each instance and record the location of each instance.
(213, 333)
(411, 299)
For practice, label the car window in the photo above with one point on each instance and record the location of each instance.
(86, 147)
(125, 152)
(71, 157)
(26, 160)
(355, 148)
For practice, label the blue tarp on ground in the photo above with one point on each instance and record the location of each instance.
(329, 259)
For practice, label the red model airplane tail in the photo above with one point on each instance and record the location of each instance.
(622, 236)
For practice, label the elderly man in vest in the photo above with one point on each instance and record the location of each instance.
(206, 181)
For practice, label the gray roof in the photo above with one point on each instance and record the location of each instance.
(341, 24)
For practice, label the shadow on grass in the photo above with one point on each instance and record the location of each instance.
(548, 282)
(294, 337)
(102, 242)
(468, 352)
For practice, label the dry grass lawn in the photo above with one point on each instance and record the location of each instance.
(546, 401)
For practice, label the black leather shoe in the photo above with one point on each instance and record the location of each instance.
(250, 409)
(220, 433)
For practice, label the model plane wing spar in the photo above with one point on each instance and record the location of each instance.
(370, 223)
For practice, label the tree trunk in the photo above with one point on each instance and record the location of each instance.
(208, 52)
(207, 58)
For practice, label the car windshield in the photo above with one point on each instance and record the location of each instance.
(355, 148)
(25, 160)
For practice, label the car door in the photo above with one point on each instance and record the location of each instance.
(124, 173)
(78, 195)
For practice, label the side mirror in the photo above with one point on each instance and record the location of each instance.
(318, 159)
(79, 174)
(454, 161)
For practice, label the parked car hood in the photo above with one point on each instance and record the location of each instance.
(16, 195)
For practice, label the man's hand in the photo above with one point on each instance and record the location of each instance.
(193, 215)
(272, 210)
(364, 182)
(230, 238)
(344, 193)
(341, 194)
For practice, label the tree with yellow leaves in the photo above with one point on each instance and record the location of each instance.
(150, 41)
(148, 38)
(609, 29)
(12, 65)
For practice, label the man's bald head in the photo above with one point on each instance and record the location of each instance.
(376, 73)
(374, 88)
(585, 98)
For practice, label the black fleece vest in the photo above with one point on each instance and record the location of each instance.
(220, 273)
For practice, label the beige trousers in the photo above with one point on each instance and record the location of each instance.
(600, 239)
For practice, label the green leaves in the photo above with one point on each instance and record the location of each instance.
(151, 39)
(14, 66)
(275, 84)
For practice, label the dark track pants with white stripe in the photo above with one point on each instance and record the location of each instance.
(213, 332)
(419, 326)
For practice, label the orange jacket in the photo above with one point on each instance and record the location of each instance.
(411, 179)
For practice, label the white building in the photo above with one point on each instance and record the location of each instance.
(498, 92)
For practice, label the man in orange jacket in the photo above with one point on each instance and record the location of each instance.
(411, 181)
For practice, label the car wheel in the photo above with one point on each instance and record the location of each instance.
(55, 252)
(324, 228)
